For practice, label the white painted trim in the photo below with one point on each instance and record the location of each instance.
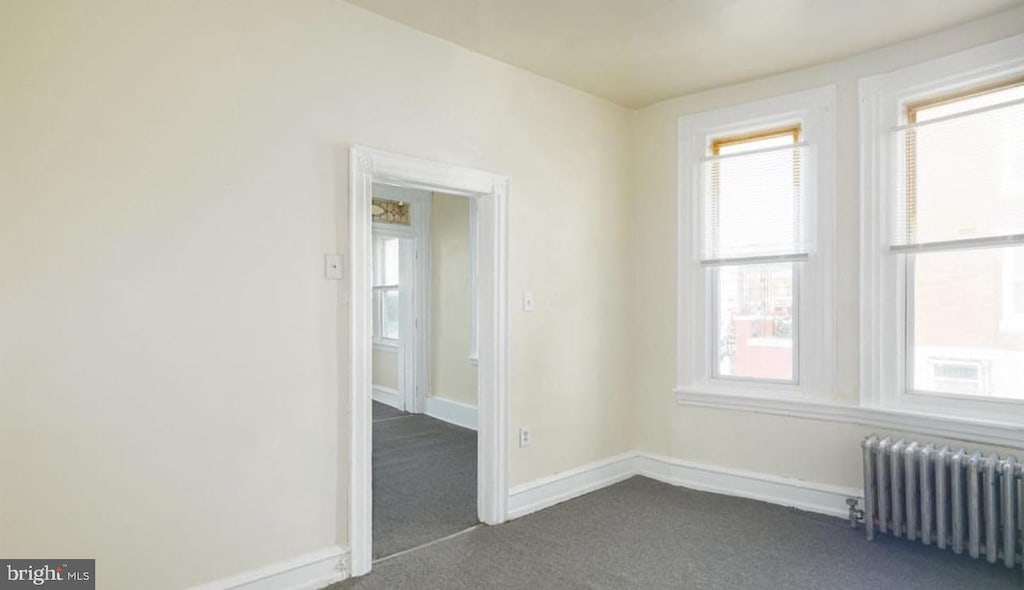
(360, 378)
(783, 491)
(548, 491)
(385, 345)
(493, 368)
(474, 352)
(310, 571)
(389, 396)
(810, 496)
(452, 412)
(367, 166)
(976, 431)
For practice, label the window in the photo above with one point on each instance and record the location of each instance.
(756, 186)
(1012, 291)
(386, 257)
(753, 209)
(959, 207)
(944, 260)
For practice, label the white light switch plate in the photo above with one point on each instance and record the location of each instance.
(528, 304)
(332, 267)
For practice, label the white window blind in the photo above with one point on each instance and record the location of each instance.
(960, 174)
(754, 205)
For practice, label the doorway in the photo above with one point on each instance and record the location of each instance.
(488, 193)
(424, 421)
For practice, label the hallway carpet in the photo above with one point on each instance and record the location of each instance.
(424, 480)
(386, 412)
(643, 534)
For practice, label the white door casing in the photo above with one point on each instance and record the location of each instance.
(490, 193)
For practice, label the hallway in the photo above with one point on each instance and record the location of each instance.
(424, 480)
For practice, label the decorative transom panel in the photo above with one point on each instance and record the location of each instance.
(388, 211)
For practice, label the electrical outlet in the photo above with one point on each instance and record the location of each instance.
(524, 436)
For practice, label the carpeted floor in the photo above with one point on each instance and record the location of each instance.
(385, 412)
(424, 479)
(643, 534)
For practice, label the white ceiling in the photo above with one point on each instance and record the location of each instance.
(637, 52)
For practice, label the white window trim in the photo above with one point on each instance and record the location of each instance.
(883, 284)
(815, 111)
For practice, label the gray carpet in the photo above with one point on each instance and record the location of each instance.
(424, 480)
(386, 412)
(644, 534)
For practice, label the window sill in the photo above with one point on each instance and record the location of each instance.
(976, 431)
(385, 344)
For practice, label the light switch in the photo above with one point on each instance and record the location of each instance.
(528, 301)
(332, 267)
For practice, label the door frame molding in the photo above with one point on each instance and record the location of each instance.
(490, 192)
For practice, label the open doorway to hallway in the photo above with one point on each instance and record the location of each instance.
(489, 195)
(424, 359)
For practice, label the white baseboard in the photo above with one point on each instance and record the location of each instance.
(784, 491)
(310, 571)
(452, 412)
(389, 396)
(795, 493)
(551, 490)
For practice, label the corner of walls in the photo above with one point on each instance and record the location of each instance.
(310, 571)
(731, 438)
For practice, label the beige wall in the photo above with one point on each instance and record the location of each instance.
(171, 177)
(385, 367)
(452, 376)
(171, 174)
(768, 444)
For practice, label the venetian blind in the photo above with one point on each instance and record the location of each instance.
(959, 174)
(754, 204)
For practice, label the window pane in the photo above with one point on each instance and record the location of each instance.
(967, 335)
(961, 178)
(391, 258)
(389, 314)
(752, 202)
(758, 143)
(754, 321)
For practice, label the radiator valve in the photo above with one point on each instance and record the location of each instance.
(856, 514)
